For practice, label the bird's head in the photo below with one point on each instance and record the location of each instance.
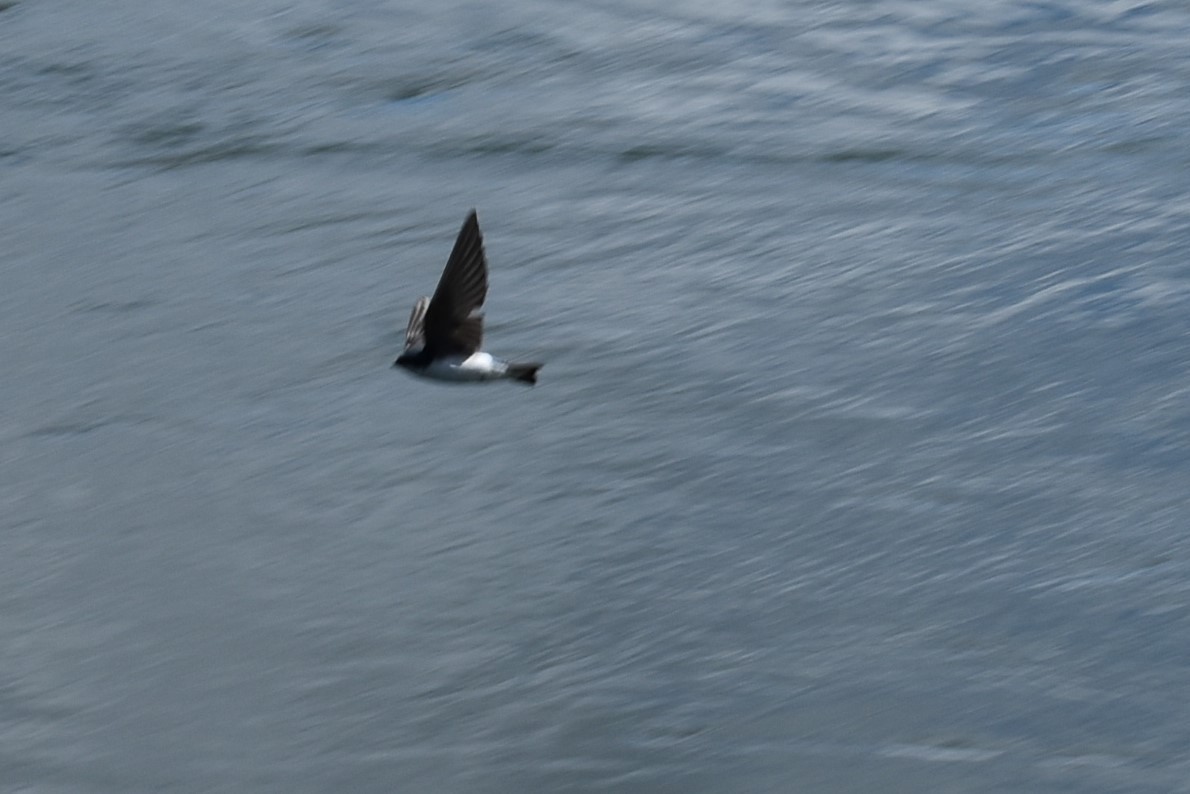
(409, 360)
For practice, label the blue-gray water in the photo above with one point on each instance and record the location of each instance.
(859, 462)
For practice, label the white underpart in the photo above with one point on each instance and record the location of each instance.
(477, 366)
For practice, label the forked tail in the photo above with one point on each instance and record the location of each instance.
(525, 373)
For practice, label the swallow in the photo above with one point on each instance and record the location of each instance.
(445, 332)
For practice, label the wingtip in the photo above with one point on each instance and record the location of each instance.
(471, 225)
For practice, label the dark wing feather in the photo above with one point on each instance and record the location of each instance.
(415, 331)
(450, 325)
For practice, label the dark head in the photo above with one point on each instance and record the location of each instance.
(413, 360)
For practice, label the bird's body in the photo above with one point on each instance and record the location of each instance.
(465, 369)
(444, 333)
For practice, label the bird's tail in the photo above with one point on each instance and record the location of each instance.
(525, 373)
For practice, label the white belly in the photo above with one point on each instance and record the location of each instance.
(477, 366)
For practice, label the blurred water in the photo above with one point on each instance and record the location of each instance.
(859, 460)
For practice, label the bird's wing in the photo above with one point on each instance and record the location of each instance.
(415, 331)
(450, 325)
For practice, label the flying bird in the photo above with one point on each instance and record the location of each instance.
(445, 333)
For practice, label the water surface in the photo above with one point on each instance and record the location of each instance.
(859, 459)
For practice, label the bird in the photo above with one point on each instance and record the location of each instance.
(445, 332)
